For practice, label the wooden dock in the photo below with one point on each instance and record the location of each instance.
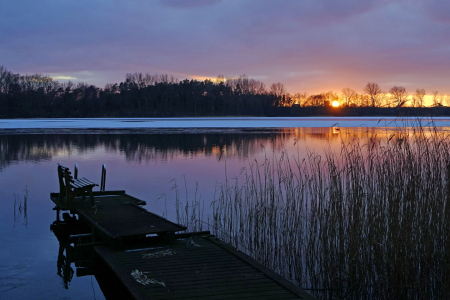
(196, 267)
(166, 265)
(118, 216)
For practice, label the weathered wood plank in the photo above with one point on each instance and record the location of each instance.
(118, 269)
(120, 219)
(118, 216)
(271, 274)
(188, 272)
(178, 265)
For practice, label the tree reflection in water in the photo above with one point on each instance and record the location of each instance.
(139, 147)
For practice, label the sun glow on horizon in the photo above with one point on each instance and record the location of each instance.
(335, 104)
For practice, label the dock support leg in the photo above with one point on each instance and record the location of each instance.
(91, 197)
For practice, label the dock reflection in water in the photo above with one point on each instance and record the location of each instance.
(68, 231)
(76, 257)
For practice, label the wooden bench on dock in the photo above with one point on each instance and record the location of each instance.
(70, 187)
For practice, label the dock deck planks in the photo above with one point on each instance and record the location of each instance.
(190, 266)
(118, 215)
(197, 268)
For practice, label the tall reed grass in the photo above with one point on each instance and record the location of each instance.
(370, 222)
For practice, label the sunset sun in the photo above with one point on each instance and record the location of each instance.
(335, 104)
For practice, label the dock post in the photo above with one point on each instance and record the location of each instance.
(75, 171)
(103, 180)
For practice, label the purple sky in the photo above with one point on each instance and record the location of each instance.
(310, 46)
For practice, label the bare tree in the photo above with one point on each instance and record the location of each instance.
(373, 90)
(330, 97)
(417, 99)
(363, 100)
(348, 97)
(300, 98)
(383, 99)
(441, 99)
(447, 100)
(315, 100)
(399, 96)
(281, 96)
(436, 98)
(277, 89)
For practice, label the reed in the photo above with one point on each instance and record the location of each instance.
(189, 212)
(370, 222)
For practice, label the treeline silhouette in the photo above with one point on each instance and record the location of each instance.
(139, 95)
(146, 95)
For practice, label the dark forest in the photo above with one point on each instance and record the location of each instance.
(145, 95)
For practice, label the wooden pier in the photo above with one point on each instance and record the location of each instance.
(152, 260)
(117, 216)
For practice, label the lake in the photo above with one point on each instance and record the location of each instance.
(147, 158)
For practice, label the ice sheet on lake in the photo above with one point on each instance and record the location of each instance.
(232, 122)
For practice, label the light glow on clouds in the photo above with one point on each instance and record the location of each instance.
(202, 78)
(62, 77)
(311, 46)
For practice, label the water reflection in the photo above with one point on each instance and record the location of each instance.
(162, 147)
(21, 208)
(76, 257)
(31, 154)
(65, 271)
(66, 232)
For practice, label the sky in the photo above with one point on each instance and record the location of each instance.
(310, 46)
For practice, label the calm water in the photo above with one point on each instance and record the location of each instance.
(145, 165)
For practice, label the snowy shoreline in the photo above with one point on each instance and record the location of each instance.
(231, 122)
